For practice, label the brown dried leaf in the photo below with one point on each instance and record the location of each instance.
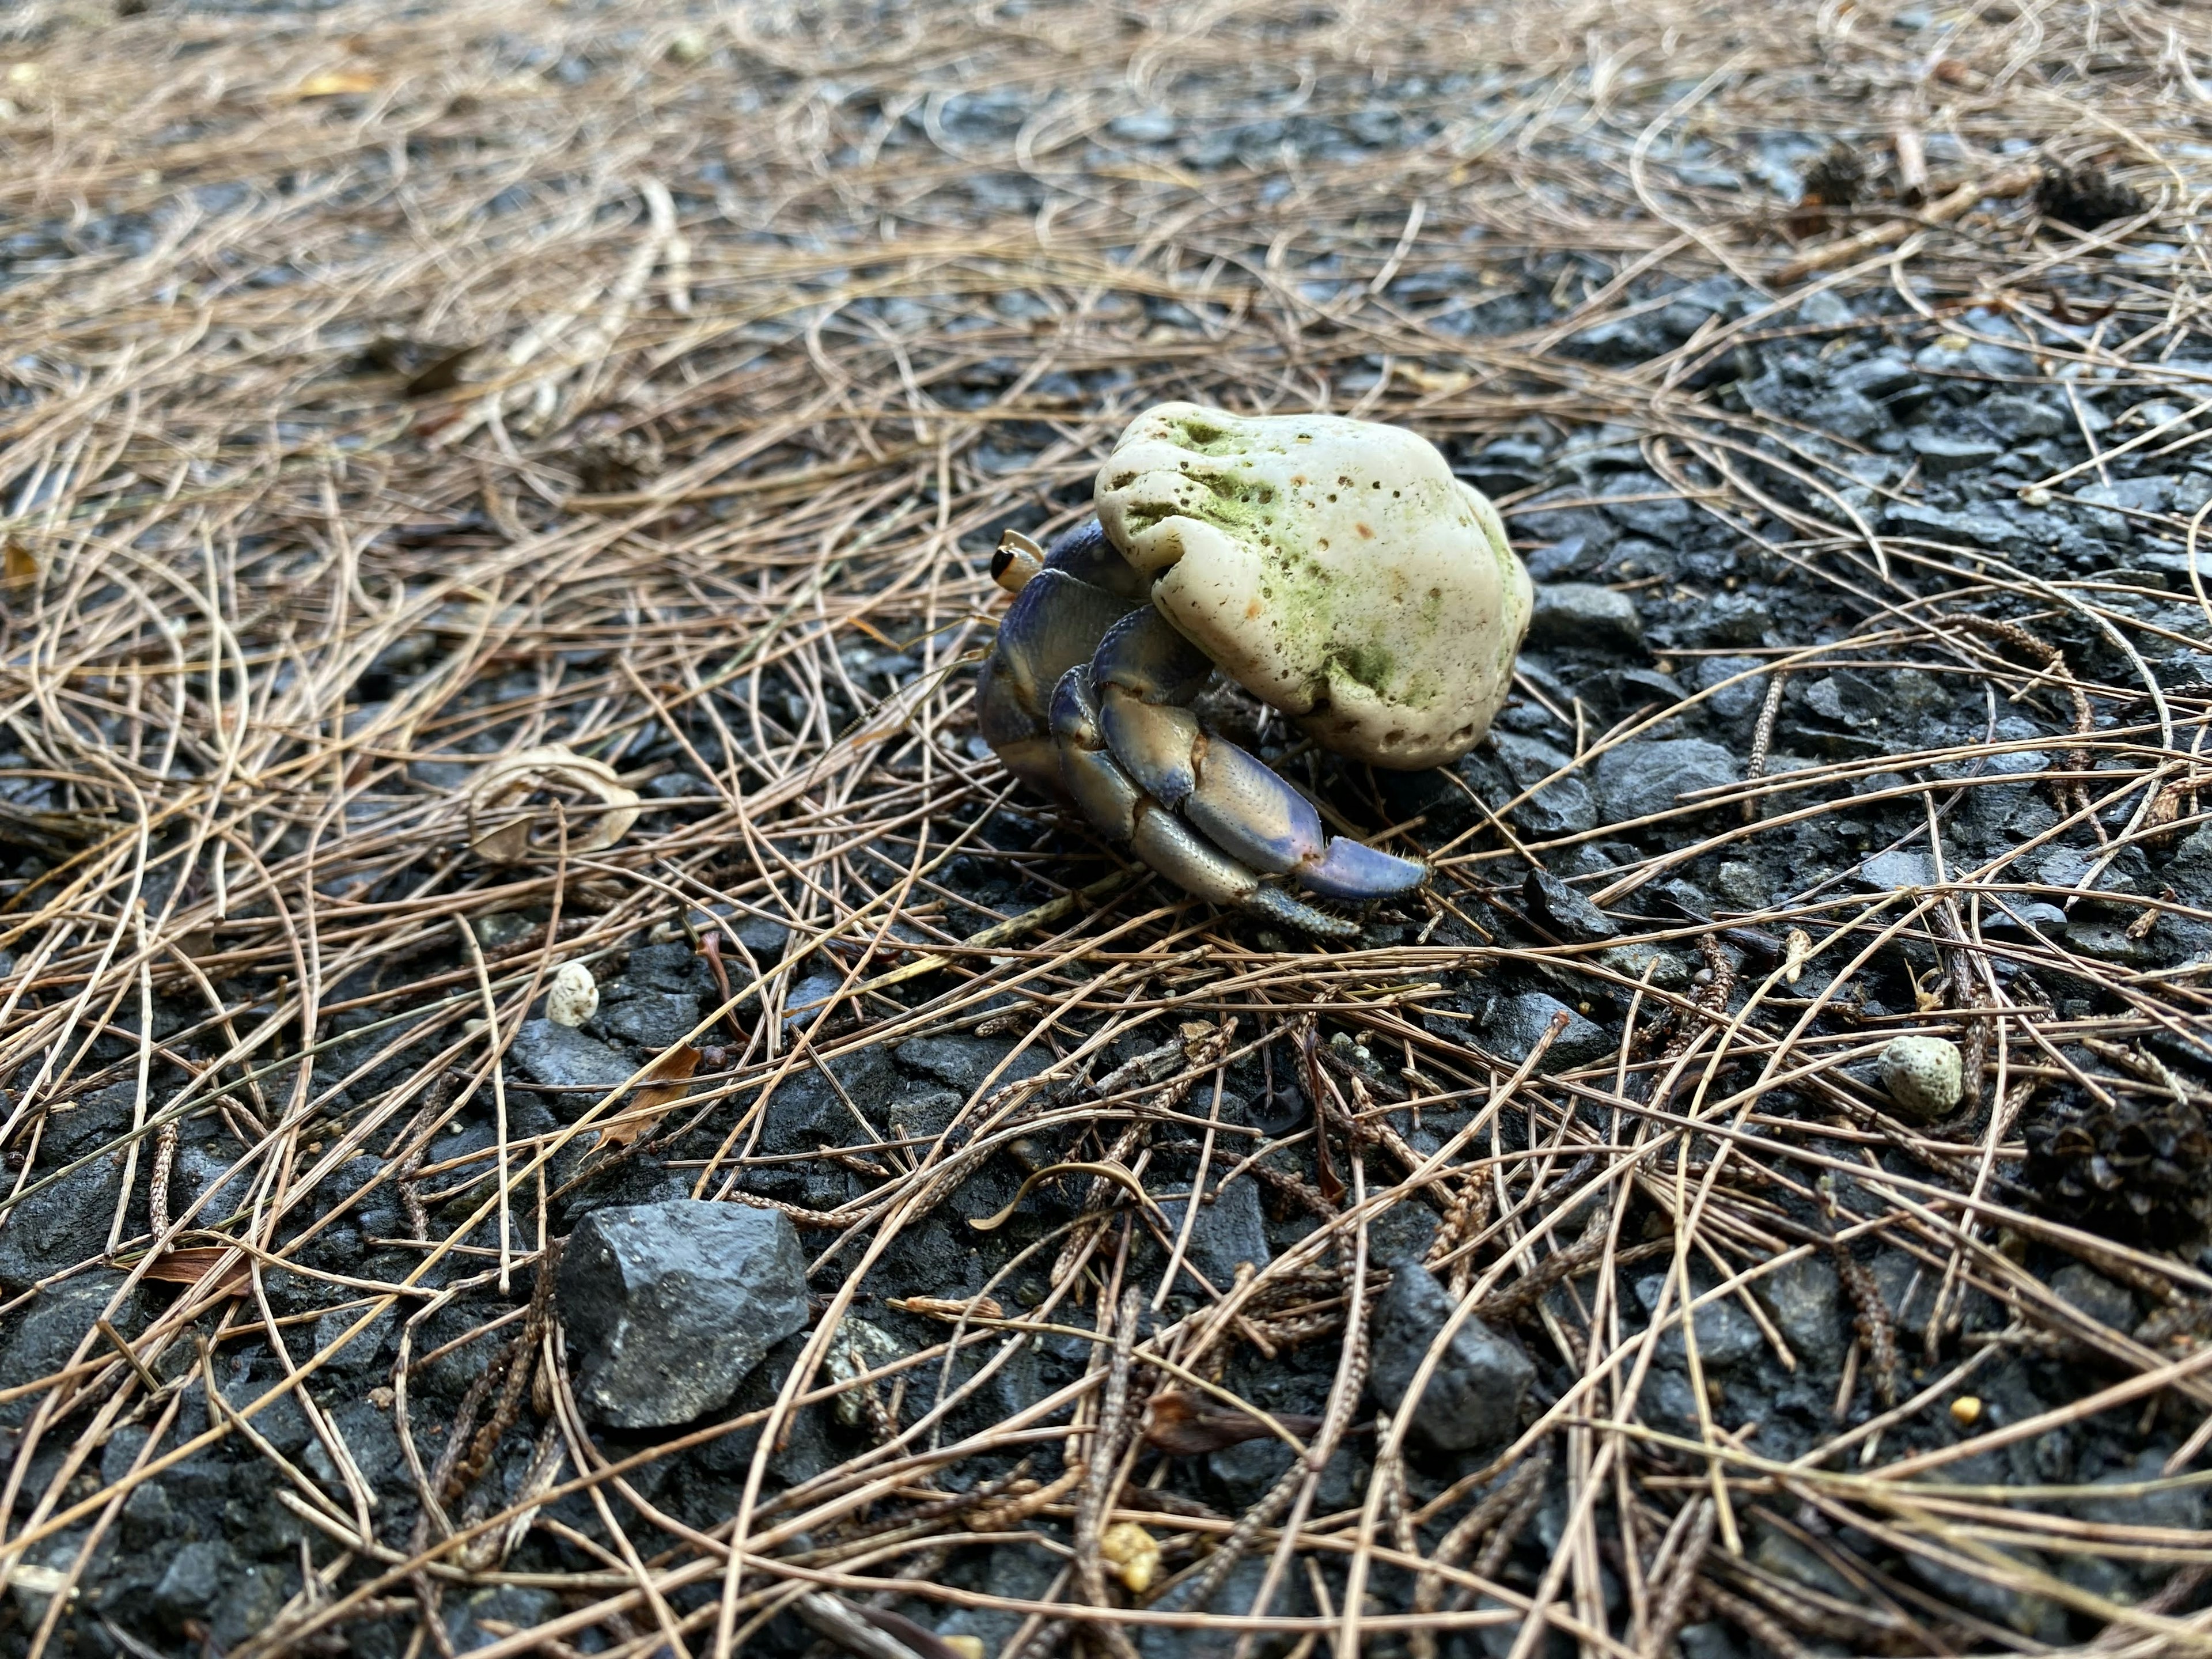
(1183, 1425)
(21, 566)
(668, 1082)
(189, 1266)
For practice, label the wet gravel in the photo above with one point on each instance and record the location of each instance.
(1646, 605)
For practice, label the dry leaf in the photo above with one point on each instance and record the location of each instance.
(667, 1082)
(20, 565)
(335, 83)
(502, 814)
(189, 1266)
(1183, 1425)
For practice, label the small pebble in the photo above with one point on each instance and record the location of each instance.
(574, 996)
(1133, 1553)
(1967, 1410)
(1923, 1075)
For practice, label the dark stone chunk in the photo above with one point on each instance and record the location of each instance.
(45, 1334)
(1564, 910)
(962, 1063)
(1883, 375)
(562, 1057)
(1564, 807)
(1727, 1335)
(195, 1576)
(1639, 779)
(366, 1350)
(1803, 1299)
(1586, 615)
(1226, 1232)
(670, 966)
(670, 1305)
(650, 1019)
(1515, 1024)
(58, 1226)
(1977, 529)
(1473, 1396)
(808, 1110)
(1732, 619)
(509, 1608)
(2092, 1293)
(1944, 453)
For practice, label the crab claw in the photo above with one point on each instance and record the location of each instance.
(1143, 669)
(1112, 800)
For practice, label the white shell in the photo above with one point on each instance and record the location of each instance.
(1924, 1075)
(1335, 569)
(574, 995)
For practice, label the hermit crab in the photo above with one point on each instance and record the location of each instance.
(1335, 569)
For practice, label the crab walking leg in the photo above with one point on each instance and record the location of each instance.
(1053, 623)
(1110, 798)
(1143, 670)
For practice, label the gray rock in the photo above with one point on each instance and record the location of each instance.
(1890, 872)
(1639, 779)
(2020, 420)
(1515, 1024)
(1473, 1397)
(1743, 885)
(508, 1606)
(1736, 702)
(209, 1169)
(1584, 614)
(1226, 1232)
(1669, 971)
(808, 1110)
(58, 1226)
(370, 1440)
(1883, 375)
(251, 1596)
(1804, 1299)
(1404, 1230)
(1852, 415)
(1945, 452)
(923, 1111)
(1732, 619)
(40, 1339)
(1564, 807)
(650, 1019)
(1727, 1335)
(365, 1352)
(1013, 1571)
(962, 1063)
(1933, 523)
(562, 1057)
(672, 965)
(1564, 910)
(2095, 1294)
(194, 1577)
(669, 1306)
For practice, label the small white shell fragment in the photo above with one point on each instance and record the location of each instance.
(1134, 1554)
(574, 996)
(1924, 1075)
(1334, 567)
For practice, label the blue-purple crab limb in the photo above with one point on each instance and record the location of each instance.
(1112, 731)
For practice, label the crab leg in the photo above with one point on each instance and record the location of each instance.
(1053, 623)
(1110, 798)
(1142, 671)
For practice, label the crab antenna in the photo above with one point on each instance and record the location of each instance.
(1018, 558)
